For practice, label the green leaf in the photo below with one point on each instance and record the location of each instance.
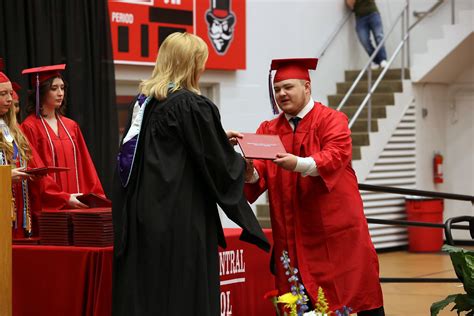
(463, 263)
(436, 307)
(464, 303)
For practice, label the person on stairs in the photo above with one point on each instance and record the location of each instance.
(368, 21)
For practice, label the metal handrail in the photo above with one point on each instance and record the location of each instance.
(453, 13)
(419, 280)
(377, 82)
(424, 14)
(334, 34)
(433, 194)
(399, 222)
(419, 14)
(447, 226)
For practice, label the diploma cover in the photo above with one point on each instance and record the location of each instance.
(260, 146)
(45, 170)
(94, 200)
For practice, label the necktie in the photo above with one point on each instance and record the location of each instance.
(295, 120)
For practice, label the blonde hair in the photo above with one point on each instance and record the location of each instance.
(20, 140)
(181, 59)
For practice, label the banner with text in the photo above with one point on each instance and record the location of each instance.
(245, 277)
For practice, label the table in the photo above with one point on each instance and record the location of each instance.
(58, 280)
(245, 277)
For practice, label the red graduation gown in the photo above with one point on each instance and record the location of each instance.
(320, 220)
(87, 177)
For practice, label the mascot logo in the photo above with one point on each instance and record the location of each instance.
(221, 22)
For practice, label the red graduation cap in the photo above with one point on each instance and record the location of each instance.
(289, 68)
(16, 90)
(43, 73)
(3, 78)
(293, 68)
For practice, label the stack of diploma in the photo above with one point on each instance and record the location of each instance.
(92, 227)
(55, 228)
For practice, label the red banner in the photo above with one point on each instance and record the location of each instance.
(139, 26)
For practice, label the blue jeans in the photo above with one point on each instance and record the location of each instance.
(365, 25)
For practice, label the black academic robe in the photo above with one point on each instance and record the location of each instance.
(166, 222)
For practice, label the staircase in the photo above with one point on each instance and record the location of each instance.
(383, 97)
(396, 167)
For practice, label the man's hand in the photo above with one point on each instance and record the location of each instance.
(233, 135)
(286, 161)
(248, 169)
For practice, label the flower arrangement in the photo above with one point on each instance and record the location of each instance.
(295, 301)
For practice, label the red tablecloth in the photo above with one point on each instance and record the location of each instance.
(54, 280)
(245, 277)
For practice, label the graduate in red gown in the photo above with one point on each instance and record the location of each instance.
(16, 151)
(58, 139)
(316, 208)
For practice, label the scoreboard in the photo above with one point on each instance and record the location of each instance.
(138, 27)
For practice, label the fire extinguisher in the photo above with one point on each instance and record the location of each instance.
(438, 168)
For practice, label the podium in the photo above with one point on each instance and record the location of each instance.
(5, 241)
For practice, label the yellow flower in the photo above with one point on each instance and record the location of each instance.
(290, 302)
(288, 298)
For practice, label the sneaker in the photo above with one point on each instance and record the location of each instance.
(383, 64)
(374, 66)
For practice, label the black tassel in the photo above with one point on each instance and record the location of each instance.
(272, 95)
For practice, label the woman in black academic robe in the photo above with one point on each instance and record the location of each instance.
(174, 165)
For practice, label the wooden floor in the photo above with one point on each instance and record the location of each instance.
(415, 299)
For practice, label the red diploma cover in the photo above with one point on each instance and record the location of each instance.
(260, 146)
(45, 170)
(94, 200)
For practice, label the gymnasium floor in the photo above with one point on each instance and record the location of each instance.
(415, 299)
